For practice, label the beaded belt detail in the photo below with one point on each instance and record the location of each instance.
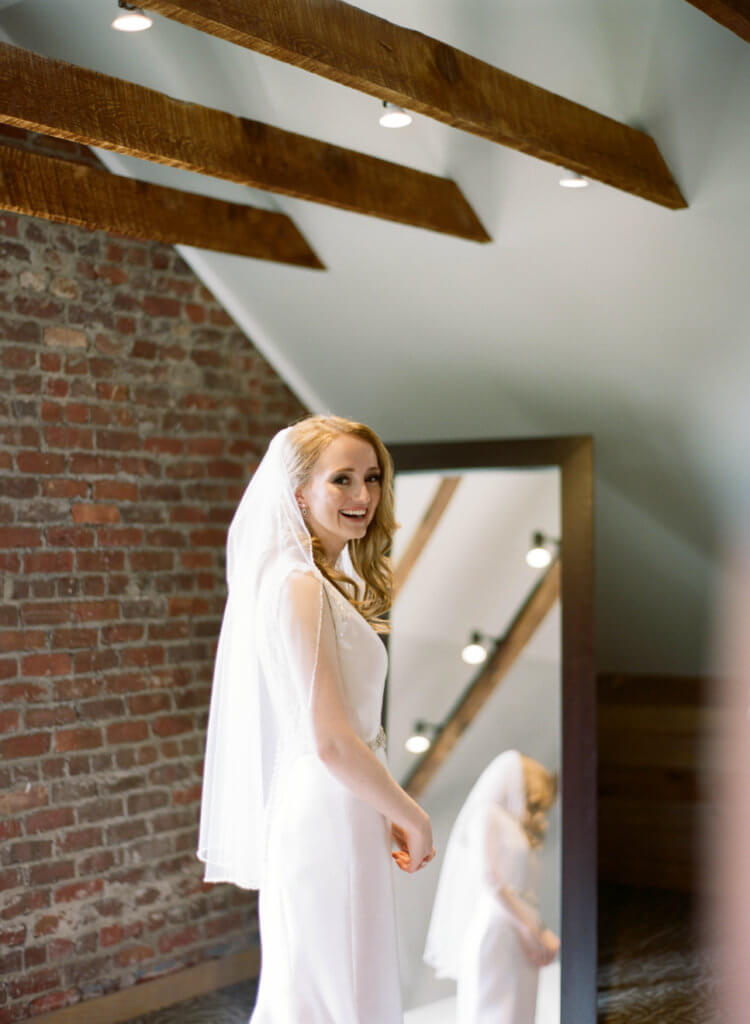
(378, 741)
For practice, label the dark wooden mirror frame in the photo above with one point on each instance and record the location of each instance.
(574, 458)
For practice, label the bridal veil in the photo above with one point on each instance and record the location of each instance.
(475, 849)
(263, 674)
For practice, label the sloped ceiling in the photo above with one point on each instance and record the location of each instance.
(591, 311)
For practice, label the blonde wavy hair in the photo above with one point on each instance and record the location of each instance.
(541, 793)
(370, 554)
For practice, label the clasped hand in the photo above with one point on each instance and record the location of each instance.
(415, 849)
(541, 948)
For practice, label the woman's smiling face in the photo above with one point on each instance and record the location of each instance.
(342, 492)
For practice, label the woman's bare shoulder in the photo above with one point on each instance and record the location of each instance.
(305, 579)
(301, 587)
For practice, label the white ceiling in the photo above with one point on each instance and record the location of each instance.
(589, 312)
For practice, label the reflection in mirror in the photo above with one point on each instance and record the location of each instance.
(461, 570)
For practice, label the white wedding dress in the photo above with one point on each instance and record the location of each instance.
(497, 983)
(472, 935)
(326, 907)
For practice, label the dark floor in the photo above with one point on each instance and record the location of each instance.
(651, 968)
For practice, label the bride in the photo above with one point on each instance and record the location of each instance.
(297, 799)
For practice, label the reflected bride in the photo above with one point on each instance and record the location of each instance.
(485, 930)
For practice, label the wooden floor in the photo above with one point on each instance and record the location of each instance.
(652, 969)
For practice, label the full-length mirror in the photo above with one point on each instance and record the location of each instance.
(477, 731)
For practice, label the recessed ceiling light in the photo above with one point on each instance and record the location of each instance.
(571, 179)
(132, 20)
(394, 116)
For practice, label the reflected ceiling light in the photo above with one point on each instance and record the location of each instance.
(571, 179)
(394, 116)
(420, 740)
(539, 555)
(417, 744)
(132, 20)
(476, 651)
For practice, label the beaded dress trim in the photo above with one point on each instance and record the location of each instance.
(379, 739)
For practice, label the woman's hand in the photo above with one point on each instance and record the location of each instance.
(415, 846)
(551, 944)
(541, 948)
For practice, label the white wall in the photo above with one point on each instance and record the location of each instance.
(654, 592)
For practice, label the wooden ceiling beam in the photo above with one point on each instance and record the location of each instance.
(424, 531)
(529, 617)
(351, 46)
(72, 193)
(732, 14)
(71, 102)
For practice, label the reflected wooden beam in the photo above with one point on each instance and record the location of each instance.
(445, 491)
(524, 625)
(71, 193)
(732, 14)
(351, 46)
(70, 102)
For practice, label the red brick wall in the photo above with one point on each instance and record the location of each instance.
(132, 413)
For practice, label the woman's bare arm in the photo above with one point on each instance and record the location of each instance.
(347, 757)
(539, 943)
(500, 832)
(524, 915)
